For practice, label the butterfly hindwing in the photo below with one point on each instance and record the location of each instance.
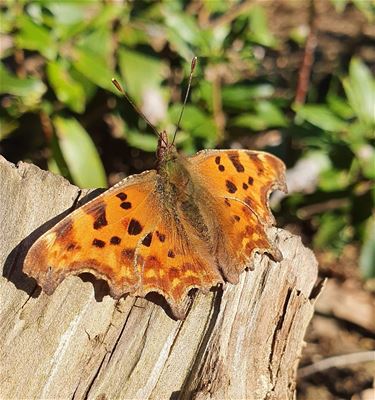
(172, 264)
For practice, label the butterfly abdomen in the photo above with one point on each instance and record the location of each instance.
(194, 217)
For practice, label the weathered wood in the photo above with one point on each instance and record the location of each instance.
(240, 342)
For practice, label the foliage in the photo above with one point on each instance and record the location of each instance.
(343, 131)
(58, 59)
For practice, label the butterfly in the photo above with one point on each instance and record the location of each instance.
(194, 222)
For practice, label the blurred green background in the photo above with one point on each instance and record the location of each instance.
(60, 110)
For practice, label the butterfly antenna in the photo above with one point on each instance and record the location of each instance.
(192, 68)
(122, 91)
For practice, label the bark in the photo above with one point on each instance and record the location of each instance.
(237, 342)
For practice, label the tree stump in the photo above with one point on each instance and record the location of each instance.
(238, 342)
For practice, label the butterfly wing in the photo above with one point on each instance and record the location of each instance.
(241, 182)
(99, 237)
(127, 238)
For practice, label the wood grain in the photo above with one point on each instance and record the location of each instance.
(239, 342)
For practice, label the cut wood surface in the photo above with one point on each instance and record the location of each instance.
(238, 342)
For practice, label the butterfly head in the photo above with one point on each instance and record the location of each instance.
(166, 151)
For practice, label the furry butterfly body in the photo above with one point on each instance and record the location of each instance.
(193, 222)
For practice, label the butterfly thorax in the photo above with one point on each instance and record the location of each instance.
(174, 176)
(171, 166)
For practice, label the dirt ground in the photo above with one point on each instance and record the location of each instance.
(344, 328)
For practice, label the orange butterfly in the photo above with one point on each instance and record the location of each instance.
(193, 222)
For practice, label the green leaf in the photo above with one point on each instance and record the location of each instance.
(35, 37)
(272, 115)
(251, 121)
(56, 162)
(331, 232)
(68, 91)
(7, 22)
(203, 92)
(67, 13)
(367, 256)
(360, 89)
(194, 121)
(7, 126)
(30, 88)
(79, 153)
(366, 158)
(94, 68)
(89, 42)
(243, 96)
(141, 141)
(333, 179)
(340, 107)
(322, 117)
(259, 32)
(268, 116)
(215, 40)
(182, 30)
(216, 6)
(140, 73)
(340, 5)
(366, 7)
(183, 24)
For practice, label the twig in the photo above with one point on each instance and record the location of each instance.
(232, 14)
(317, 208)
(336, 361)
(308, 59)
(219, 117)
(46, 124)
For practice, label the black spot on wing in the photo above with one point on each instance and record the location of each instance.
(98, 243)
(231, 187)
(134, 228)
(147, 240)
(171, 254)
(218, 163)
(122, 196)
(115, 240)
(257, 162)
(161, 236)
(100, 221)
(126, 205)
(97, 211)
(235, 159)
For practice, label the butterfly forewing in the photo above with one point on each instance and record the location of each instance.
(100, 237)
(241, 182)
